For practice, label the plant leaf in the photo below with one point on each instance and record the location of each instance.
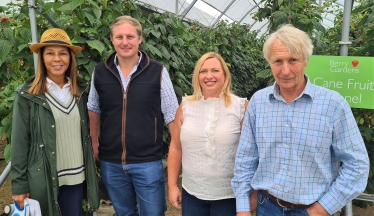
(93, 3)
(78, 39)
(66, 8)
(22, 46)
(25, 34)
(154, 50)
(90, 66)
(8, 32)
(76, 3)
(97, 12)
(264, 74)
(165, 52)
(90, 18)
(171, 40)
(156, 33)
(82, 61)
(7, 152)
(96, 44)
(178, 91)
(4, 50)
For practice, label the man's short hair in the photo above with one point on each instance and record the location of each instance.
(297, 42)
(127, 19)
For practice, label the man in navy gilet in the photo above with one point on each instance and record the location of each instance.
(131, 97)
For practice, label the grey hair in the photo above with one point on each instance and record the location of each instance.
(297, 42)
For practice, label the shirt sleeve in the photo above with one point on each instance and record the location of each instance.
(93, 98)
(169, 102)
(246, 162)
(20, 147)
(349, 148)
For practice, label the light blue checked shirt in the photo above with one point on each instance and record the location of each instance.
(169, 102)
(292, 149)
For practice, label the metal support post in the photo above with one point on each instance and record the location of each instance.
(345, 28)
(348, 4)
(348, 209)
(319, 33)
(34, 33)
(176, 7)
(4, 174)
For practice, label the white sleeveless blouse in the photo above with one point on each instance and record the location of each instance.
(210, 137)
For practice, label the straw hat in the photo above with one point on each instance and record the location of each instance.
(55, 37)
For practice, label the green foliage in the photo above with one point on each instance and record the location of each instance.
(242, 51)
(176, 44)
(361, 30)
(303, 14)
(87, 24)
(170, 41)
(365, 121)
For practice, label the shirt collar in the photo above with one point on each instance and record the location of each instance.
(308, 90)
(51, 84)
(140, 58)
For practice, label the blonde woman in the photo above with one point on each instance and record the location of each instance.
(204, 139)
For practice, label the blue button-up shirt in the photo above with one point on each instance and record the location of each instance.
(169, 102)
(292, 150)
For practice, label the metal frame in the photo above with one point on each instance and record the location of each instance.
(223, 12)
(185, 12)
(246, 14)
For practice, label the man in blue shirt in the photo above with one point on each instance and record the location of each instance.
(294, 134)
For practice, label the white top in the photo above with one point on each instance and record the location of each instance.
(209, 137)
(63, 94)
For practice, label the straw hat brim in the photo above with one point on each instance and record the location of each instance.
(36, 47)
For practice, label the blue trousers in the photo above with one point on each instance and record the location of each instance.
(70, 199)
(268, 207)
(193, 206)
(125, 182)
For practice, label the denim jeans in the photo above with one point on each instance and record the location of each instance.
(125, 182)
(193, 206)
(268, 207)
(70, 199)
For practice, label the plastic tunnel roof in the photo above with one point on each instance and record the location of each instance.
(208, 12)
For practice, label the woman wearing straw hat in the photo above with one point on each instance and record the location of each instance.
(52, 159)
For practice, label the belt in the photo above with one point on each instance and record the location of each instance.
(283, 203)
